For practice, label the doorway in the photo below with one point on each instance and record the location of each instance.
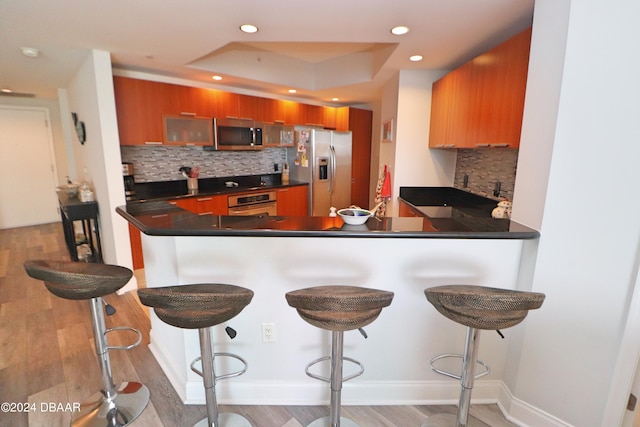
(27, 168)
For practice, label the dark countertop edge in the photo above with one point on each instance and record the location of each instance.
(226, 190)
(527, 234)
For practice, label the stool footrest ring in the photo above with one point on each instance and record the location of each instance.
(325, 379)
(224, 376)
(459, 356)
(124, 347)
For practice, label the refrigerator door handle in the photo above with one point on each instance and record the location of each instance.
(332, 167)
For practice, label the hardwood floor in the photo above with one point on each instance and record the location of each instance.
(47, 356)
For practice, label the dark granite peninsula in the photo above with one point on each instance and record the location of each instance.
(275, 255)
(163, 219)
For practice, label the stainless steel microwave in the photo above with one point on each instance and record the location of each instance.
(237, 134)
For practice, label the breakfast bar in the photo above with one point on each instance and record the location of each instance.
(273, 255)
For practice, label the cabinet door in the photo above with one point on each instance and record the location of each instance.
(502, 87)
(203, 205)
(480, 104)
(248, 107)
(360, 126)
(129, 110)
(184, 130)
(211, 205)
(292, 201)
(404, 210)
(136, 247)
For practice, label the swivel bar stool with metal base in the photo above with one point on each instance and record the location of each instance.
(201, 307)
(337, 309)
(475, 307)
(113, 406)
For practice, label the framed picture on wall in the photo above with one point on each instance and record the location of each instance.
(387, 130)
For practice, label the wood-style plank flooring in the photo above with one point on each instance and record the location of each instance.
(47, 356)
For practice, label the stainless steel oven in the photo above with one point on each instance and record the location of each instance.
(262, 203)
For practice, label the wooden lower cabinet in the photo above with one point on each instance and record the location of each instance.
(405, 210)
(205, 205)
(136, 247)
(292, 201)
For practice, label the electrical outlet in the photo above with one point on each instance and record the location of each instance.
(268, 332)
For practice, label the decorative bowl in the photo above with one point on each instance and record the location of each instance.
(354, 216)
(70, 190)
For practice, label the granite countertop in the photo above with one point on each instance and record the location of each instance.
(160, 218)
(167, 190)
(446, 205)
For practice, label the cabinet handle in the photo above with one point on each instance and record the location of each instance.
(173, 203)
(449, 145)
(232, 117)
(204, 199)
(190, 144)
(280, 122)
(205, 213)
(159, 216)
(152, 143)
(246, 118)
(483, 145)
(500, 145)
(186, 113)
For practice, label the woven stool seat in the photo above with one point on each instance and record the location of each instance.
(483, 307)
(115, 404)
(78, 280)
(339, 308)
(196, 306)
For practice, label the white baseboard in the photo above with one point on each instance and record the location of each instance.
(311, 392)
(524, 414)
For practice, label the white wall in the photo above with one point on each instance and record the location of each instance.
(408, 333)
(90, 95)
(407, 100)
(588, 257)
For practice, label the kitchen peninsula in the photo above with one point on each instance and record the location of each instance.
(274, 255)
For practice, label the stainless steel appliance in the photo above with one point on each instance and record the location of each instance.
(262, 203)
(129, 181)
(322, 158)
(237, 134)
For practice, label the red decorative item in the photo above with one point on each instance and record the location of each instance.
(386, 184)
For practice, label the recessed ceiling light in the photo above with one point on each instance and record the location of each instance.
(6, 90)
(216, 77)
(292, 91)
(31, 52)
(335, 99)
(248, 28)
(400, 30)
(415, 58)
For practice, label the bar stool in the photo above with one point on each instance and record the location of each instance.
(113, 406)
(475, 307)
(338, 309)
(202, 306)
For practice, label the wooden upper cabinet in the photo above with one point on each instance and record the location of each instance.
(249, 107)
(480, 104)
(128, 110)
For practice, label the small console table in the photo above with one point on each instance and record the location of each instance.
(71, 210)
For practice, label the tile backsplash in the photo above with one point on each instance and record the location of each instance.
(485, 167)
(160, 163)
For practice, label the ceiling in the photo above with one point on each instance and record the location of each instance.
(323, 49)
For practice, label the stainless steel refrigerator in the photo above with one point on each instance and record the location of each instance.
(322, 158)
